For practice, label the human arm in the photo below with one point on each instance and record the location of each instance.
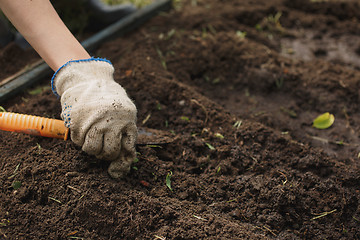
(42, 27)
(100, 115)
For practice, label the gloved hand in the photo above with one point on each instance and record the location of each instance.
(100, 115)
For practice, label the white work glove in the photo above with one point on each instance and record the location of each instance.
(100, 115)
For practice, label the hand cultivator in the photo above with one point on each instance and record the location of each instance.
(38, 126)
(54, 128)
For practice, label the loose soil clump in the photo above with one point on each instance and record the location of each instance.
(234, 86)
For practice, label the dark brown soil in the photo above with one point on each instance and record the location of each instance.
(13, 59)
(246, 162)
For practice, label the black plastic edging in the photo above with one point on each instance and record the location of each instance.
(116, 29)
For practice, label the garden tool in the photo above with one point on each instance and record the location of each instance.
(38, 126)
(54, 128)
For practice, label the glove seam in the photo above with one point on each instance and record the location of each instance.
(53, 88)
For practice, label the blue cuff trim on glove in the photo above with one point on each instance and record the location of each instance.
(69, 63)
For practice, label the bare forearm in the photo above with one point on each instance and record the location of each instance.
(41, 26)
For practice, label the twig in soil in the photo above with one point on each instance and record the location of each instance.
(160, 237)
(15, 171)
(200, 218)
(323, 214)
(73, 188)
(203, 108)
(146, 119)
(83, 195)
(3, 234)
(73, 233)
(284, 182)
(266, 228)
(54, 199)
(270, 231)
(232, 200)
(255, 162)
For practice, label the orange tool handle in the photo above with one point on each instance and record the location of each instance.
(38, 126)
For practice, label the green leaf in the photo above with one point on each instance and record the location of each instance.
(184, 118)
(168, 180)
(324, 121)
(38, 90)
(241, 34)
(153, 146)
(211, 147)
(2, 109)
(16, 185)
(219, 135)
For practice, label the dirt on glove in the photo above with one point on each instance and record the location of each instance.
(237, 85)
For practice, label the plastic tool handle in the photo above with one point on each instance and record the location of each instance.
(33, 125)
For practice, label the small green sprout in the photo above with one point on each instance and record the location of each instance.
(4, 222)
(170, 34)
(240, 34)
(16, 185)
(211, 29)
(184, 118)
(137, 3)
(323, 214)
(324, 121)
(258, 27)
(2, 109)
(55, 200)
(219, 135)
(153, 146)
(39, 147)
(218, 170)
(341, 142)
(237, 124)
(38, 90)
(168, 180)
(291, 113)
(211, 147)
(162, 58)
(15, 171)
(135, 161)
(279, 82)
(216, 80)
(159, 237)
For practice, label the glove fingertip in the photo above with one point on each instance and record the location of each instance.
(119, 169)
